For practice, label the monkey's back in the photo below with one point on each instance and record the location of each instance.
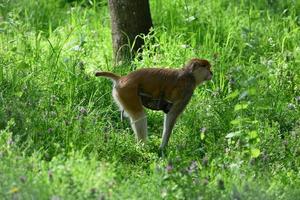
(157, 81)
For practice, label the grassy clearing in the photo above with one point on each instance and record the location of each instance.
(61, 135)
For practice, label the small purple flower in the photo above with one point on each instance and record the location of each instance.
(50, 175)
(169, 168)
(23, 179)
(83, 111)
(193, 167)
(232, 81)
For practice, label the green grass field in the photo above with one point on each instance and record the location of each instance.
(61, 136)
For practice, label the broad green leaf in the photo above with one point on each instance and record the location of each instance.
(263, 108)
(202, 135)
(253, 134)
(241, 106)
(233, 134)
(232, 95)
(255, 152)
(236, 121)
(18, 94)
(239, 120)
(252, 91)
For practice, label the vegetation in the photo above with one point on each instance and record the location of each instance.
(61, 135)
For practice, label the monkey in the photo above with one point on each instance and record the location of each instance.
(167, 90)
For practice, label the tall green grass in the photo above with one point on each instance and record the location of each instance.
(61, 135)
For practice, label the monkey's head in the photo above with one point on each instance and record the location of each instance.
(200, 69)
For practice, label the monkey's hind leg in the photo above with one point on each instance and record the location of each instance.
(132, 105)
(117, 100)
(139, 126)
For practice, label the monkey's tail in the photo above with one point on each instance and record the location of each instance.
(109, 75)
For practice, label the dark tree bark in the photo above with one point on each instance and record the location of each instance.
(129, 18)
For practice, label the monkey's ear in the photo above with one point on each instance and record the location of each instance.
(194, 66)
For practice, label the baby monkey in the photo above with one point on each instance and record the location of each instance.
(168, 90)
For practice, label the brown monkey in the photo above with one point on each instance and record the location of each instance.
(168, 90)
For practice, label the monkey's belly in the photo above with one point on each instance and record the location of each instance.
(155, 104)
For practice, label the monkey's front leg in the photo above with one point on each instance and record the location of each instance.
(170, 118)
(169, 122)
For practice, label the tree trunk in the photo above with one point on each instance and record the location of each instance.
(129, 18)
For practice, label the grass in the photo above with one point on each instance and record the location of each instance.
(61, 135)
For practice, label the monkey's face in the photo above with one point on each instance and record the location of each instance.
(201, 70)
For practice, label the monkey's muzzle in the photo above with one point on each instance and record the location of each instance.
(209, 77)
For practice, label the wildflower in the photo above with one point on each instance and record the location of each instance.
(202, 133)
(169, 168)
(193, 167)
(190, 19)
(216, 92)
(185, 46)
(291, 106)
(53, 114)
(14, 190)
(10, 142)
(53, 99)
(83, 111)
(55, 197)
(23, 179)
(164, 193)
(297, 98)
(203, 130)
(76, 48)
(50, 130)
(50, 175)
(205, 161)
